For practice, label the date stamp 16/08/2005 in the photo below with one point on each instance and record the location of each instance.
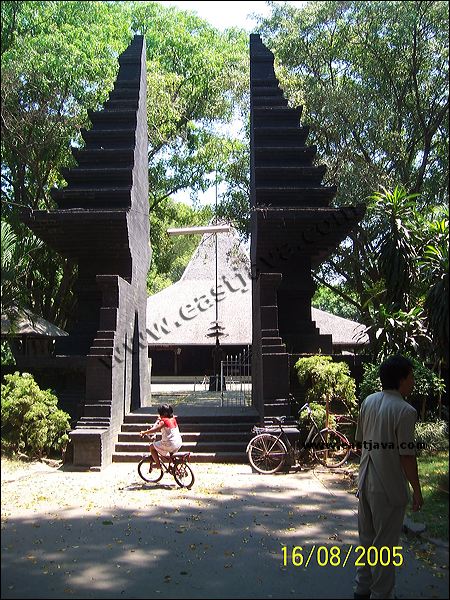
(334, 556)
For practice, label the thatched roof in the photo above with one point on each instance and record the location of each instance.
(183, 313)
(29, 324)
(187, 308)
(344, 331)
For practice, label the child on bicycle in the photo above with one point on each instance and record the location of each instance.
(171, 440)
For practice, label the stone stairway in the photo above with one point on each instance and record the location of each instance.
(209, 438)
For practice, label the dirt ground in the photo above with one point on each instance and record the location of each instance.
(235, 534)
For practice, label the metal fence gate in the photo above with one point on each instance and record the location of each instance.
(235, 373)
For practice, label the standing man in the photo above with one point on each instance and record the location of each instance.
(388, 461)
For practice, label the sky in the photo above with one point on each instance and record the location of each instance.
(227, 14)
(222, 15)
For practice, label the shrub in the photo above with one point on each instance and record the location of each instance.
(327, 380)
(427, 385)
(319, 416)
(434, 434)
(31, 420)
(6, 354)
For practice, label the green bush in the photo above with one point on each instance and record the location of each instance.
(427, 385)
(6, 354)
(319, 416)
(324, 379)
(31, 420)
(434, 434)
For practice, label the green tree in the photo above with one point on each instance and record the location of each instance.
(325, 298)
(428, 386)
(31, 420)
(17, 263)
(434, 265)
(59, 59)
(234, 203)
(326, 381)
(372, 77)
(196, 77)
(406, 288)
(172, 253)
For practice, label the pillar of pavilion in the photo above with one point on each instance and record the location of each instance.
(102, 223)
(293, 230)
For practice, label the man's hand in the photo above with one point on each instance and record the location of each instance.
(417, 501)
(409, 464)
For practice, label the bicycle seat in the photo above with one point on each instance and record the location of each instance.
(180, 455)
(278, 419)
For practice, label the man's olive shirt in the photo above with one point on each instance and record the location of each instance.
(386, 431)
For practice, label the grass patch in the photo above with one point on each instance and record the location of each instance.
(433, 475)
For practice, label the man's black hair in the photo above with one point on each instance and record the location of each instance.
(393, 369)
(165, 410)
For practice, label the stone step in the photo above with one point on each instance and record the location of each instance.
(98, 176)
(277, 113)
(112, 157)
(106, 335)
(101, 342)
(109, 138)
(224, 428)
(277, 409)
(87, 421)
(280, 135)
(257, 84)
(122, 104)
(300, 176)
(97, 410)
(217, 446)
(92, 198)
(229, 420)
(195, 457)
(271, 100)
(284, 156)
(193, 436)
(221, 438)
(124, 94)
(121, 84)
(295, 196)
(113, 118)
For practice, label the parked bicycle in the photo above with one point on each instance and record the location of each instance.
(271, 449)
(175, 464)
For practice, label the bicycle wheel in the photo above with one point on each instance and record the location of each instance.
(266, 453)
(183, 475)
(331, 448)
(148, 471)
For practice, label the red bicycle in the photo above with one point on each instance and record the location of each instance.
(175, 464)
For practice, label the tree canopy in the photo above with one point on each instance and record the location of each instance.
(373, 80)
(59, 59)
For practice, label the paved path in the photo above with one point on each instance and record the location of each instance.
(71, 534)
